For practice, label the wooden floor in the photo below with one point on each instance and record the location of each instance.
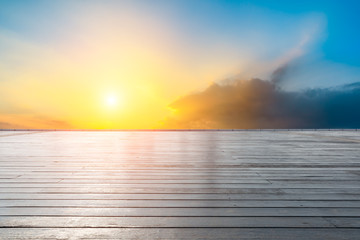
(180, 185)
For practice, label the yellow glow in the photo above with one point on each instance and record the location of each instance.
(112, 100)
(100, 77)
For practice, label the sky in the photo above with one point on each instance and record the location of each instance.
(179, 64)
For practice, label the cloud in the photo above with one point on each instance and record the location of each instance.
(258, 103)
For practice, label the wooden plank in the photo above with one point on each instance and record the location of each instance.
(179, 176)
(180, 233)
(341, 222)
(176, 212)
(171, 174)
(161, 222)
(167, 171)
(112, 190)
(267, 184)
(173, 181)
(180, 196)
(177, 203)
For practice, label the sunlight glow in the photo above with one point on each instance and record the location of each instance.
(111, 100)
(120, 64)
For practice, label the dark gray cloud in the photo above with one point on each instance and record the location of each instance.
(257, 103)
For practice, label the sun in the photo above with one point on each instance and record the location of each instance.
(111, 100)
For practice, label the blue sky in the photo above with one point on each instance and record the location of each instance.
(36, 19)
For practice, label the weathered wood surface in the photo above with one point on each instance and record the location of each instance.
(180, 185)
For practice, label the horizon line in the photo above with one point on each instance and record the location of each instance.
(182, 130)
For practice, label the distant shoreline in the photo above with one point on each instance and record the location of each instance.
(183, 130)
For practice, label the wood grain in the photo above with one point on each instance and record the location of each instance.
(180, 185)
